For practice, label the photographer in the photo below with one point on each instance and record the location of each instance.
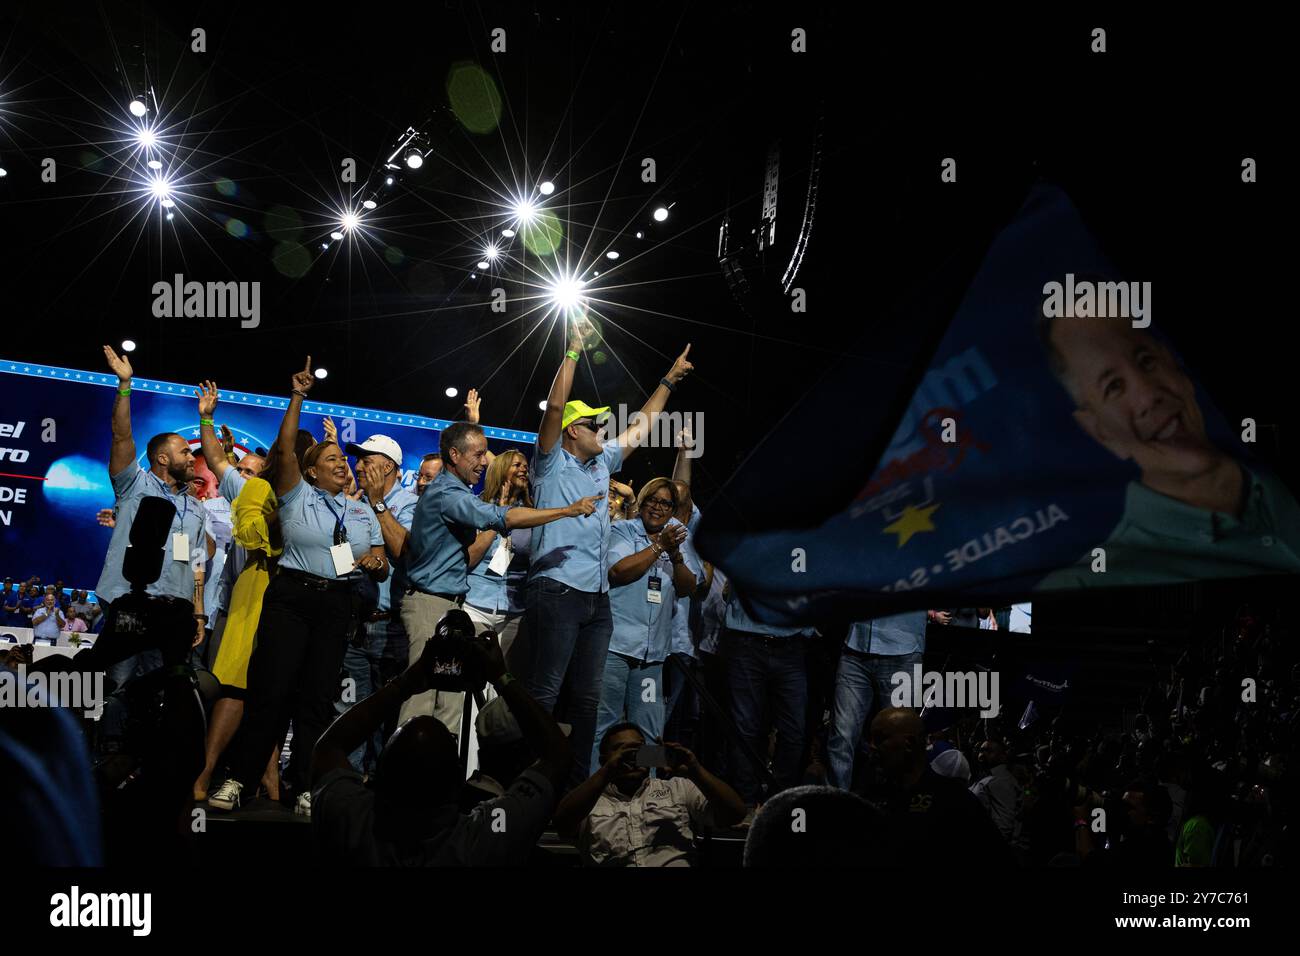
(329, 541)
(410, 817)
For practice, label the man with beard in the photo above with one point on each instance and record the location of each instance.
(1195, 511)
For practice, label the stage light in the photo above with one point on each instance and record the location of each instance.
(321, 372)
(3, 172)
(147, 138)
(566, 292)
(640, 235)
(168, 203)
(349, 221)
(661, 214)
(171, 215)
(413, 158)
(483, 264)
(507, 233)
(128, 345)
(524, 210)
(491, 253)
(546, 188)
(388, 181)
(160, 188)
(370, 204)
(324, 245)
(611, 254)
(451, 393)
(542, 404)
(155, 164)
(138, 108)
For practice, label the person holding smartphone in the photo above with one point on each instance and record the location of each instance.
(621, 816)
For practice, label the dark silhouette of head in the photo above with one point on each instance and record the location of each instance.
(807, 827)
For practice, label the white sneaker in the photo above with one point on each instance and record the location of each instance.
(227, 796)
(303, 806)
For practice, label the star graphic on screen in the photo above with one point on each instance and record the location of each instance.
(912, 521)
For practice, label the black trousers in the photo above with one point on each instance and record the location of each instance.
(292, 675)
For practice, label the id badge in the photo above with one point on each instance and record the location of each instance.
(654, 593)
(501, 560)
(181, 546)
(343, 561)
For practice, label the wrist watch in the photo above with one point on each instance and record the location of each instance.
(379, 507)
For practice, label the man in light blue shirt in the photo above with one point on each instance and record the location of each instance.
(378, 652)
(873, 653)
(767, 672)
(447, 518)
(568, 616)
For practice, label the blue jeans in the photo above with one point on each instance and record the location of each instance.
(113, 724)
(862, 687)
(380, 658)
(568, 640)
(624, 691)
(767, 676)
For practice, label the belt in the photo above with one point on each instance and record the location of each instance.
(315, 582)
(767, 638)
(380, 616)
(457, 599)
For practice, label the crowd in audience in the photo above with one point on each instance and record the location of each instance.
(631, 702)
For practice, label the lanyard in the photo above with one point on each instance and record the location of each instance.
(185, 505)
(341, 532)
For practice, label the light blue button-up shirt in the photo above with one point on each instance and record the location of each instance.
(642, 628)
(737, 620)
(177, 579)
(682, 643)
(448, 516)
(497, 593)
(308, 518)
(890, 636)
(572, 550)
(401, 505)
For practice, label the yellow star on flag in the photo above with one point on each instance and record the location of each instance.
(912, 521)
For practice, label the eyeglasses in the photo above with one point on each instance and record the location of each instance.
(593, 426)
(662, 504)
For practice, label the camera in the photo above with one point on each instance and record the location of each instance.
(455, 665)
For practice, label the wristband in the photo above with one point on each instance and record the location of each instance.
(299, 394)
(124, 391)
(572, 354)
(207, 421)
(668, 385)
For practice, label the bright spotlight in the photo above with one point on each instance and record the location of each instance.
(491, 253)
(370, 204)
(566, 292)
(483, 264)
(507, 233)
(128, 345)
(524, 210)
(451, 393)
(171, 215)
(160, 188)
(640, 235)
(321, 372)
(661, 214)
(324, 245)
(147, 138)
(336, 235)
(138, 108)
(546, 188)
(155, 164)
(3, 172)
(542, 404)
(350, 221)
(168, 203)
(388, 181)
(413, 158)
(611, 254)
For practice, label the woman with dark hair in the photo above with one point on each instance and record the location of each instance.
(307, 611)
(647, 572)
(498, 565)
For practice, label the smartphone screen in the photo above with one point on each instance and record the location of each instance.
(651, 755)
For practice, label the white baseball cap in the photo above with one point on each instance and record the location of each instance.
(378, 445)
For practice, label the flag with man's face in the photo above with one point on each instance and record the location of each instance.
(1052, 441)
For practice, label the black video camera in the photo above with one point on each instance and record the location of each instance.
(456, 665)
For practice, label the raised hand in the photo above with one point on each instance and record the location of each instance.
(681, 367)
(671, 538)
(304, 380)
(471, 406)
(207, 396)
(105, 517)
(331, 432)
(579, 330)
(120, 365)
(227, 441)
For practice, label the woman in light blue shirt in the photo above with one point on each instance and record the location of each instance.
(499, 564)
(647, 572)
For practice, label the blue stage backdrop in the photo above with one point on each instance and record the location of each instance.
(993, 487)
(55, 436)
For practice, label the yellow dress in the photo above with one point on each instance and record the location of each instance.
(252, 506)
